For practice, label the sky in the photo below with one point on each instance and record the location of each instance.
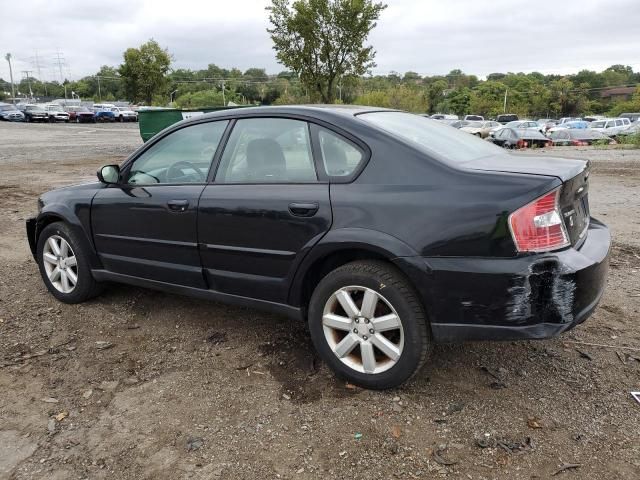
(425, 36)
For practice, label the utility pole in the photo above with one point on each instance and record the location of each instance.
(224, 103)
(340, 89)
(27, 73)
(13, 92)
(504, 109)
(99, 92)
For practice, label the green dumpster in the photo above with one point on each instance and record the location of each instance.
(152, 120)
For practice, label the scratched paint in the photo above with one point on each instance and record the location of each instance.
(545, 293)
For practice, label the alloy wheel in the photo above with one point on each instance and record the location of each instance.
(60, 264)
(363, 329)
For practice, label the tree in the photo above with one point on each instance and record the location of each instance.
(323, 40)
(144, 71)
(435, 94)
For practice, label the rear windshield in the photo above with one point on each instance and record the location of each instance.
(433, 137)
(530, 133)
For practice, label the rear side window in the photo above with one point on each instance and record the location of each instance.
(446, 143)
(268, 150)
(340, 158)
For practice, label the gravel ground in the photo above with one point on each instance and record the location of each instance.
(190, 389)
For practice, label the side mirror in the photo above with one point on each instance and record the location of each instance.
(109, 174)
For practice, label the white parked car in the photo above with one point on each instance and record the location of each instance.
(610, 126)
(124, 114)
(56, 112)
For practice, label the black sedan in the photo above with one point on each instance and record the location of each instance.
(519, 138)
(387, 232)
(35, 113)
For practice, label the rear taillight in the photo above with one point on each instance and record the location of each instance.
(521, 144)
(578, 143)
(538, 227)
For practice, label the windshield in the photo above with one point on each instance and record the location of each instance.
(474, 124)
(599, 124)
(432, 137)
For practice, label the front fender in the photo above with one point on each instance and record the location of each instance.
(78, 221)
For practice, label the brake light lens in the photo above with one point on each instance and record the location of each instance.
(538, 226)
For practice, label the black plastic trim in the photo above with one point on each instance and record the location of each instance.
(212, 295)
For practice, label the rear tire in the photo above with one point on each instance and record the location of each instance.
(64, 265)
(384, 339)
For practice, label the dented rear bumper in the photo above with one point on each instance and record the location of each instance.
(528, 297)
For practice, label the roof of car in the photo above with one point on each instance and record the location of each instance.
(344, 110)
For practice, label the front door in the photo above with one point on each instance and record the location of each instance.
(146, 226)
(264, 211)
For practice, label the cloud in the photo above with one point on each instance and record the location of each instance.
(426, 36)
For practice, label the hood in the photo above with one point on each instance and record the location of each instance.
(561, 168)
(88, 186)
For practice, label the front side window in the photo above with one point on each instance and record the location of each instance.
(267, 150)
(183, 156)
(340, 157)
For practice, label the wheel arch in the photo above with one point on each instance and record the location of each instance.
(61, 213)
(340, 247)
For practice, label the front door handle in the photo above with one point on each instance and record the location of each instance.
(178, 205)
(303, 209)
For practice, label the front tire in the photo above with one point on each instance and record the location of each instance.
(64, 265)
(368, 325)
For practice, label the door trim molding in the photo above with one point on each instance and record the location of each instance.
(259, 251)
(147, 240)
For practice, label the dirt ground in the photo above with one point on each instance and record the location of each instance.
(190, 389)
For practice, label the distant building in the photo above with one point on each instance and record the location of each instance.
(617, 94)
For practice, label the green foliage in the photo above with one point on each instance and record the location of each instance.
(205, 98)
(401, 98)
(323, 40)
(632, 140)
(144, 72)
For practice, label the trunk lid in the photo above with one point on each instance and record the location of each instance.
(562, 168)
(574, 174)
(574, 205)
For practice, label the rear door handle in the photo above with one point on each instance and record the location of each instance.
(178, 205)
(303, 209)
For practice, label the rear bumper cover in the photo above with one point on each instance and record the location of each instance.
(528, 297)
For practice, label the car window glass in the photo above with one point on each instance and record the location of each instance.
(183, 156)
(267, 150)
(339, 156)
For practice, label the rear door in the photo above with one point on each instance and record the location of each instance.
(264, 210)
(146, 226)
